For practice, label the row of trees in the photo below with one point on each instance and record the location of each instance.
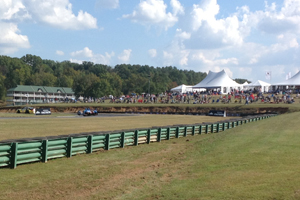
(89, 79)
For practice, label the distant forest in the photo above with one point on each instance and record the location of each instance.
(92, 80)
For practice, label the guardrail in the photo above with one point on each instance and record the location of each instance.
(42, 149)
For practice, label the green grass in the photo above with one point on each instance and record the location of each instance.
(258, 160)
(62, 124)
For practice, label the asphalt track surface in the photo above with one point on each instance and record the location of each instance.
(31, 116)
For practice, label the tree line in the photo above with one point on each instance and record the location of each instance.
(92, 80)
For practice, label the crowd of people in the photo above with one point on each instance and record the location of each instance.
(210, 96)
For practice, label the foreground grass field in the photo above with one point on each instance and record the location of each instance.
(259, 160)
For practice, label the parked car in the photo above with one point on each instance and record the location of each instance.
(28, 110)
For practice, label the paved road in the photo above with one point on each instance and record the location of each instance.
(29, 116)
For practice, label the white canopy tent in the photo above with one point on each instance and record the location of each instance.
(185, 88)
(293, 81)
(259, 85)
(218, 80)
(245, 84)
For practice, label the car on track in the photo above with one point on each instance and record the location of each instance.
(43, 111)
(28, 110)
(88, 112)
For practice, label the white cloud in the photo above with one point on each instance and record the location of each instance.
(60, 53)
(294, 43)
(213, 61)
(10, 39)
(182, 34)
(168, 58)
(111, 4)
(206, 31)
(285, 20)
(124, 57)
(177, 7)
(76, 61)
(152, 53)
(153, 12)
(58, 13)
(103, 59)
(184, 58)
(13, 10)
(86, 53)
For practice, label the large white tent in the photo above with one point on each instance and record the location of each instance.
(185, 88)
(181, 88)
(245, 84)
(218, 80)
(259, 85)
(293, 81)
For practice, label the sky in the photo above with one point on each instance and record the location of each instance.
(247, 38)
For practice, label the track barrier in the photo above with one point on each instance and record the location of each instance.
(43, 149)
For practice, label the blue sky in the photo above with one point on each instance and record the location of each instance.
(247, 38)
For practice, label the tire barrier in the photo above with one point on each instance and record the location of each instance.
(42, 149)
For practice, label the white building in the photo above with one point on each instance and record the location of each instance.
(24, 94)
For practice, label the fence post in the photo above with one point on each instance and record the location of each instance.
(44, 151)
(90, 144)
(193, 130)
(69, 147)
(168, 133)
(149, 136)
(177, 132)
(122, 139)
(14, 154)
(159, 135)
(107, 140)
(185, 131)
(136, 137)
(206, 130)
(200, 129)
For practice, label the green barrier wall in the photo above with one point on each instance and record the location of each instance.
(16, 152)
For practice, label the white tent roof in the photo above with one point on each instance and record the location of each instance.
(215, 80)
(179, 88)
(258, 83)
(245, 84)
(295, 80)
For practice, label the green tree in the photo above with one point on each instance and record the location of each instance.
(2, 87)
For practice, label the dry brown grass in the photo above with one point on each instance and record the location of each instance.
(16, 128)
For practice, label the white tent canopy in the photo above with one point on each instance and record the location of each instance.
(295, 80)
(180, 88)
(264, 86)
(245, 84)
(218, 80)
(185, 88)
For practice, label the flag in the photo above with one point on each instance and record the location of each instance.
(268, 75)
